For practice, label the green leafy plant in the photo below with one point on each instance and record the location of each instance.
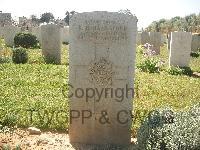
(50, 59)
(65, 43)
(165, 129)
(149, 65)
(180, 70)
(20, 56)
(195, 54)
(25, 40)
(174, 70)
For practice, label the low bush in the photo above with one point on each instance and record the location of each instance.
(65, 43)
(149, 65)
(180, 71)
(20, 56)
(195, 54)
(25, 40)
(165, 129)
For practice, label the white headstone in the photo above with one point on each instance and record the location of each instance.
(101, 56)
(51, 43)
(155, 40)
(65, 34)
(195, 42)
(37, 32)
(180, 48)
(9, 33)
(144, 37)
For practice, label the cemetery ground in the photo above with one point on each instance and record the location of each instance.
(33, 94)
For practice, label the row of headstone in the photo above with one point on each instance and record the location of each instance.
(153, 38)
(49, 36)
(101, 71)
(195, 44)
(64, 33)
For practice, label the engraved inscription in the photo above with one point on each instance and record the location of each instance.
(102, 30)
(101, 72)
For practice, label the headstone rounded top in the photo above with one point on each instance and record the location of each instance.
(118, 16)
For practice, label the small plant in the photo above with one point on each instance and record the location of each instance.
(195, 54)
(65, 43)
(187, 71)
(50, 59)
(149, 65)
(20, 56)
(140, 49)
(149, 51)
(174, 70)
(25, 40)
(180, 71)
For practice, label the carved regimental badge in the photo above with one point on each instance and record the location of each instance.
(101, 72)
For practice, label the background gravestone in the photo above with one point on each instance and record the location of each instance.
(180, 48)
(51, 43)
(195, 42)
(168, 41)
(1, 32)
(37, 32)
(144, 37)
(9, 33)
(102, 55)
(65, 34)
(155, 40)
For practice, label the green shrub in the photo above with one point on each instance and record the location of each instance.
(174, 70)
(26, 40)
(187, 71)
(164, 129)
(65, 43)
(194, 54)
(50, 59)
(149, 65)
(20, 55)
(180, 71)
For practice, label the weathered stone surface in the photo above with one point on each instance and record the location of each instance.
(65, 34)
(51, 43)
(37, 32)
(145, 38)
(155, 40)
(180, 48)
(168, 41)
(101, 55)
(9, 33)
(195, 42)
(1, 32)
(138, 39)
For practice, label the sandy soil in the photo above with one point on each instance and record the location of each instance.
(47, 141)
